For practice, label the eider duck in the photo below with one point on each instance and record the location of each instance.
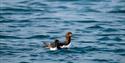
(58, 45)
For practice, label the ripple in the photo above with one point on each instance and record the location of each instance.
(91, 48)
(24, 49)
(9, 37)
(111, 34)
(110, 30)
(7, 53)
(123, 54)
(119, 50)
(111, 50)
(104, 38)
(34, 45)
(86, 41)
(117, 39)
(18, 10)
(54, 32)
(2, 43)
(24, 24)
(43, 26)
(62, 0)
(25, 2)
(38, 4)
(33, 55)
(24, 62)
(14, 21)
(87, 21)
(113, 44)
(91, 10)
(81, 50)
(62, 7)
(117, 11)
(95, 27)
(14, 9)
(48, 18)
(101, 60)
(74, 50)
(38, 37)
(6, 48)
(7, 12)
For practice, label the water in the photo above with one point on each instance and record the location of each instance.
(98, 28)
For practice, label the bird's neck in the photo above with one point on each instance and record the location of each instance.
(68, 40)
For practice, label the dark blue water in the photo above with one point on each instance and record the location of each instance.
(98, 28)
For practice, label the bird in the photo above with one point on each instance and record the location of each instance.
(58, 44)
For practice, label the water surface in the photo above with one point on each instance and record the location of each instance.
(98, 28)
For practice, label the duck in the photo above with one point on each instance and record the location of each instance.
(58, 44)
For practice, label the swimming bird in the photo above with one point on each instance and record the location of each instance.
(58, 45)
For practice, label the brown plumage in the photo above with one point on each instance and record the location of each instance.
(59, 44)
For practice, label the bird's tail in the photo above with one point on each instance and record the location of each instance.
(47, 45)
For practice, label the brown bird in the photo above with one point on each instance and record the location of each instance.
(58, 45)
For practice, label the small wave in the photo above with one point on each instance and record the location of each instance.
(86, 42)
(15, 13)
(104, 38)
(9, 37)
(6, 20)
(95, 27)
(74, 50)
(54, 32)
(38, 4)
(24, 62)
(33, 55)
(10, 30)
(38, 37)
(110, 50)
(83, 31)
(78, 50)
(117, 39)
(6, 53)
(91, 10)
(5, 47)
(24, 2)
(16, 10)
(35, 45)
(13, 21)
(107, 38)
(63, 7)
(87, 21)
(13, 9)
(117, 50)
(24, 49)
(42, 26)
(2, 43)
(91, 48)
(101, 60)
(110, 30)
(63, 0)
(48, 18)
(7, 50)
(111, 34)
(119, 11)
(113, 44)
(122, 54)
